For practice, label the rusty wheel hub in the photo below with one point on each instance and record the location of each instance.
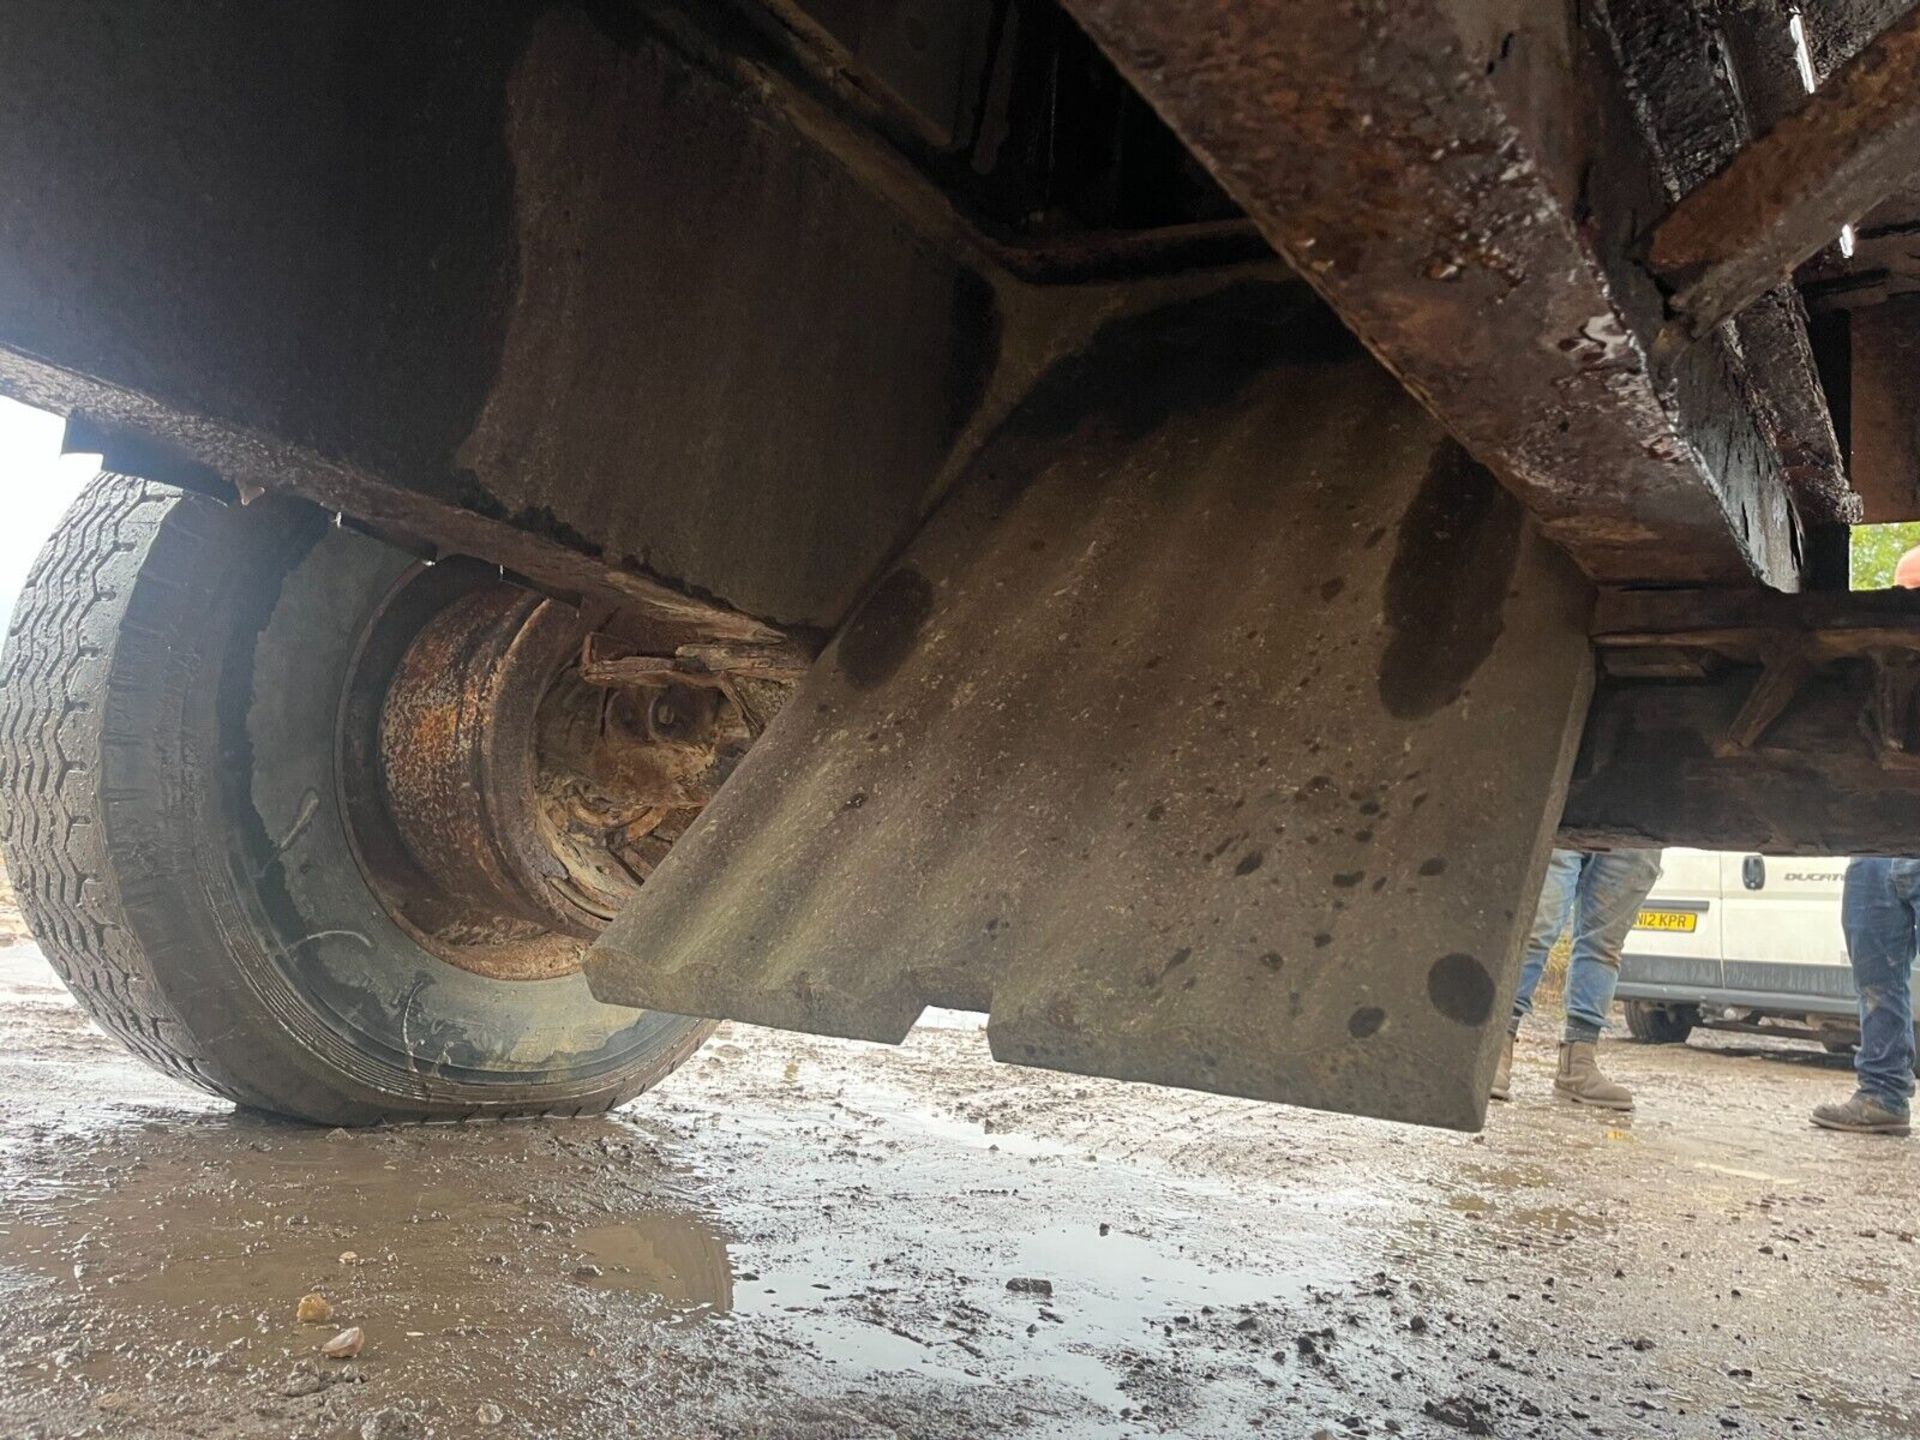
(502, 808)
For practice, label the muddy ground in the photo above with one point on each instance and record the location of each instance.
(796, 1237)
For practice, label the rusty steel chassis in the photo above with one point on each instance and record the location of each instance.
(641, 307)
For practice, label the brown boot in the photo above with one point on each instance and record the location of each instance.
(1503, 1072)
(1580, 1078)
(1864, 1115)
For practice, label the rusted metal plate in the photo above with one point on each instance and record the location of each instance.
(1427, 167)
(457, 759)
(1210, 735)
(1786, 195)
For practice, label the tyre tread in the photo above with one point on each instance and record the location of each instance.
(53, 678)
(82, 675)
(1656, 1025)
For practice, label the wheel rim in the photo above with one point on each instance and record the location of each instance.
(308, 919)
(500, 807)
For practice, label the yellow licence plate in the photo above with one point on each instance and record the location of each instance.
(1667, 920)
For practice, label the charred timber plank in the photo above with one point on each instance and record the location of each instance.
(1832, 774)
(1884, 342)
(1759, 47)
(1783, 384)
(1785, 196)
(1702, 84)
(1884, 264)
(1378, 152)
(253, 461)
(1838, 30)
(1793, 730)
(1621, 615)
(499, 278)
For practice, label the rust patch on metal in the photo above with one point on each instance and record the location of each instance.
(503, 807)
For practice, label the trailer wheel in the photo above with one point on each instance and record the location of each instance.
(209, 847)
(1660, 1024)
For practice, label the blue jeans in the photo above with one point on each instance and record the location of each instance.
(1599, 892)
(1878, 912)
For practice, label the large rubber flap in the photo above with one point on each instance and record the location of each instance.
(1212, 733)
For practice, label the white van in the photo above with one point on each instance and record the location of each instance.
(1741, 942)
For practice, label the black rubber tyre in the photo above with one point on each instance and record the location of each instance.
(171, 822)
(1660, 1024)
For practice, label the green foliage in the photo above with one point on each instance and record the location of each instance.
(1876, 550)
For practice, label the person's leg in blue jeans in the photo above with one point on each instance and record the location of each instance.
(1598, 894)
(1878, 913)
(1550, 917)
(1613, 883)
(1613, 886)
(1557, 895)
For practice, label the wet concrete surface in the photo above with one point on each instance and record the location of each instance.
(798, 1237)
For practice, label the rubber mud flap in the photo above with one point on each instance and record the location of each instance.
(1216, 742)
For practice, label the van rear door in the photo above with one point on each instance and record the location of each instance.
(1677, 938)
(1780, 929)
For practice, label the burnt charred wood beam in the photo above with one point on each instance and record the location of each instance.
(1375, 146)
(1760, 48)
(1641, 616)
(1747, 720)
(1783, 197)
(1703, 84)
(1837, 30)
(1782, 382)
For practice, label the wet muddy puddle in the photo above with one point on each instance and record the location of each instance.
(804, 1239)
